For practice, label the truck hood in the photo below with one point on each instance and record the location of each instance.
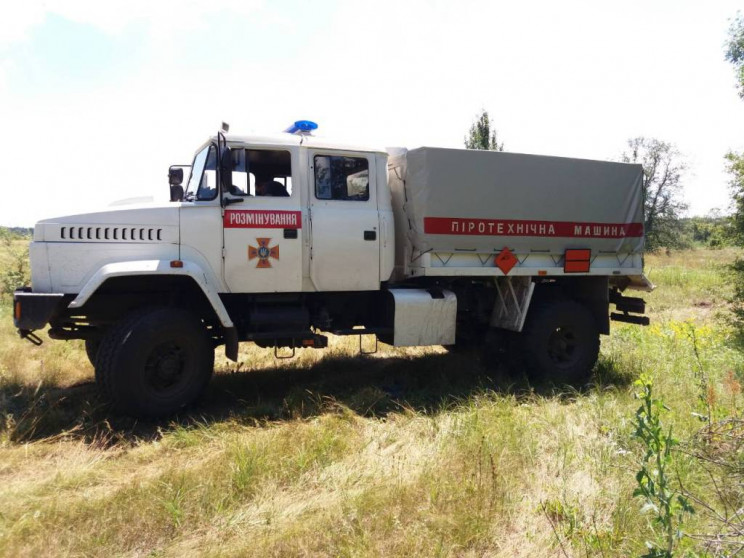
(101, 224)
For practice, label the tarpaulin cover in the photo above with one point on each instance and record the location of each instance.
(456, 199)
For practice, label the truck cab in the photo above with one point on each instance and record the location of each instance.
(293, 215)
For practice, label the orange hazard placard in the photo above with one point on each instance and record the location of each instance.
(505, 261)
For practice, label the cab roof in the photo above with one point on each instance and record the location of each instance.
(283, 139)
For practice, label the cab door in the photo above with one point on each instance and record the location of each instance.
(263, 235)
(345, 254)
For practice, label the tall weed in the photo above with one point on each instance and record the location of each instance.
(666, 504)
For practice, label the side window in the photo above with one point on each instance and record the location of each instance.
(341, 178)
(197, 170)
(269, 172)
(239, 182)
(261, 172)
(208, 184)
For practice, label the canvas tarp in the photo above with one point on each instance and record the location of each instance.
(456, 199)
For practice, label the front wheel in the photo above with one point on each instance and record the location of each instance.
(91, 350)
(155, 362)
(560, 342)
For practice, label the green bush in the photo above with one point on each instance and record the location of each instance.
(14, 263)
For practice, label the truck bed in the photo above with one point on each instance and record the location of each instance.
(456, 210)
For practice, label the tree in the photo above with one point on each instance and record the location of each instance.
(662, 190)
(735, 169)
(735, 50)
(482, 135)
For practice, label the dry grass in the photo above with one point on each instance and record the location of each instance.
(408, 452)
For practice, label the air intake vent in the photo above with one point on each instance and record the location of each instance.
(120, 234)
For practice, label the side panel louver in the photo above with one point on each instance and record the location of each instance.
(112, 234)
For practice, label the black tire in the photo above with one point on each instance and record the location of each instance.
(91, 349)
(498, 347)
(560, 342)
(468, 339)
(92, 346)
(155, 362)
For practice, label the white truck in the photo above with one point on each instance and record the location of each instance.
(277, 239)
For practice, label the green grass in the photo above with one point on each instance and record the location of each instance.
(405, 453)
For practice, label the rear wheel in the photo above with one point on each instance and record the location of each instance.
(155, 362)
(560, 342)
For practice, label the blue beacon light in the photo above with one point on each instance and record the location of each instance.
(302, 127)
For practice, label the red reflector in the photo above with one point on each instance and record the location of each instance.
(176, 263)
(576, 267)
(541, 272)
(577, 261)
(578, 255)
(308, 342)
(17, 310)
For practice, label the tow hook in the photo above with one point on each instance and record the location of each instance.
(31, 336)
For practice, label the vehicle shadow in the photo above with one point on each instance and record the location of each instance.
(367, 386)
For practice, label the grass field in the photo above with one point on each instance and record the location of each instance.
(403, 453)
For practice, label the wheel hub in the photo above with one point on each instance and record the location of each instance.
(562, 345)
(165, 366)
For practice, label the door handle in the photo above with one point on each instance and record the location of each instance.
(370, 235)
(290, 233)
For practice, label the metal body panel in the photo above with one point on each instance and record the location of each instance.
(73, 265)
(201, 234)
(68, 250)
(129, 215)
(387, 244)
(421, 319)
(482, 264)
(342, 260)
(38, 257)
(387, 220)
(287, 140)
(155, 267)
(258, 256)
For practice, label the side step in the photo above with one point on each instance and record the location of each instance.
(628, 318)
(288, 339)
(628, 305)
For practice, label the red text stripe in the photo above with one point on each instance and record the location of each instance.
(261, 219)
(509, 227)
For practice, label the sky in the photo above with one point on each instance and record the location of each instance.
(97, 99)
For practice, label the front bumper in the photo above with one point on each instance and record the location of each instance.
(33, 311)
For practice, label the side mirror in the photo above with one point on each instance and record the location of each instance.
(175, 176)
(175, 179)
(176, 193)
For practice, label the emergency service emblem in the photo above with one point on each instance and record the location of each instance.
(263, 252)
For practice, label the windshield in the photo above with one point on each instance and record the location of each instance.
(202, 184)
